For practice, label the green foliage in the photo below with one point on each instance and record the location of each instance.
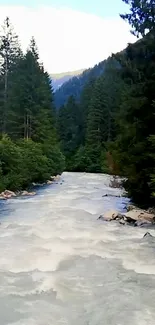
(30, 150)
(69, 127)
(136, 120)
(117, 111)
(141, 16)
(81, 160)
(84, 128)
(75, 86)
(25, 162)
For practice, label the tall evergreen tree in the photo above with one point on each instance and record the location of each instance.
(104, 104)
(10, 53)
(141, 16)
(137, 118)
(69, 127)
(31, 152)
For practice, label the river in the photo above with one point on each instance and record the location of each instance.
(59, 265)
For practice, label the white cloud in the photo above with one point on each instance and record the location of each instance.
(67, 39)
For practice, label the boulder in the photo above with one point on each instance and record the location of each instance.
(2, 197)
(49, 182)
(7, 195)
(55, 178)
(32, 193)
(139, 215)
(147, 235)
(26, 193)
(112, 215)
(122, 222)
(6, 192)
(142, 223)
(135, 217)
(100, 218)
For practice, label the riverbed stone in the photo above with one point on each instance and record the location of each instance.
(26, 193)
(147, 235)
(136, 217)
(112, 215)
(122, 222)
(139, 215)
(142, 223)
(49, 182)
(7, 194)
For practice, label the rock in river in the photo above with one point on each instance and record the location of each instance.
(147, 235)
(136, 217)
(26, 193)
(7, 195)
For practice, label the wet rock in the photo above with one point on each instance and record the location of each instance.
(111, 195)
(111, 215)
(101, 218)
(32, 193)
(130, 207)
(122, 222)
(2, 197)
(134, 217)
(49, 182)
(139, 215)
(7, 195)
(147, 235)
(55, 178)
(6, 192)
(26, 193)
(142, 223)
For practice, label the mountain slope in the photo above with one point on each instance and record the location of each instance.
(74, 86)
(58, 79)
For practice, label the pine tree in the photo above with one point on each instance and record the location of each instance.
(10, 52)
(31, 152)
(137, 118)
(84, 106)
(141, 16)
(69, 127)
(104, 104)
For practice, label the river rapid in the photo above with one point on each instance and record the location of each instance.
(59, 265)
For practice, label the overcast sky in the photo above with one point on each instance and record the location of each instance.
(70, 34)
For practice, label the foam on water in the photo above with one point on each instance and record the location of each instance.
(59, 265)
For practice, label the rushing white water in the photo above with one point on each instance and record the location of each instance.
(59, 265)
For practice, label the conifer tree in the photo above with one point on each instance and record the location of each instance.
(10, 53)
(141, 16)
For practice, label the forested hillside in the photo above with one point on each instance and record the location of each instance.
(58, 79)
(29, 150)
(110, 128)
(75, 85)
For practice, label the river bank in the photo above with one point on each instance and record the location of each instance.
(7, 194)
(132, 215)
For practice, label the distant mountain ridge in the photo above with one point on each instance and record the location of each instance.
(58, 79)
(75, 84)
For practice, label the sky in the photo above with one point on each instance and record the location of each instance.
(70, 34)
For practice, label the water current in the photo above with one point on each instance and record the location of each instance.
(59, 265)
